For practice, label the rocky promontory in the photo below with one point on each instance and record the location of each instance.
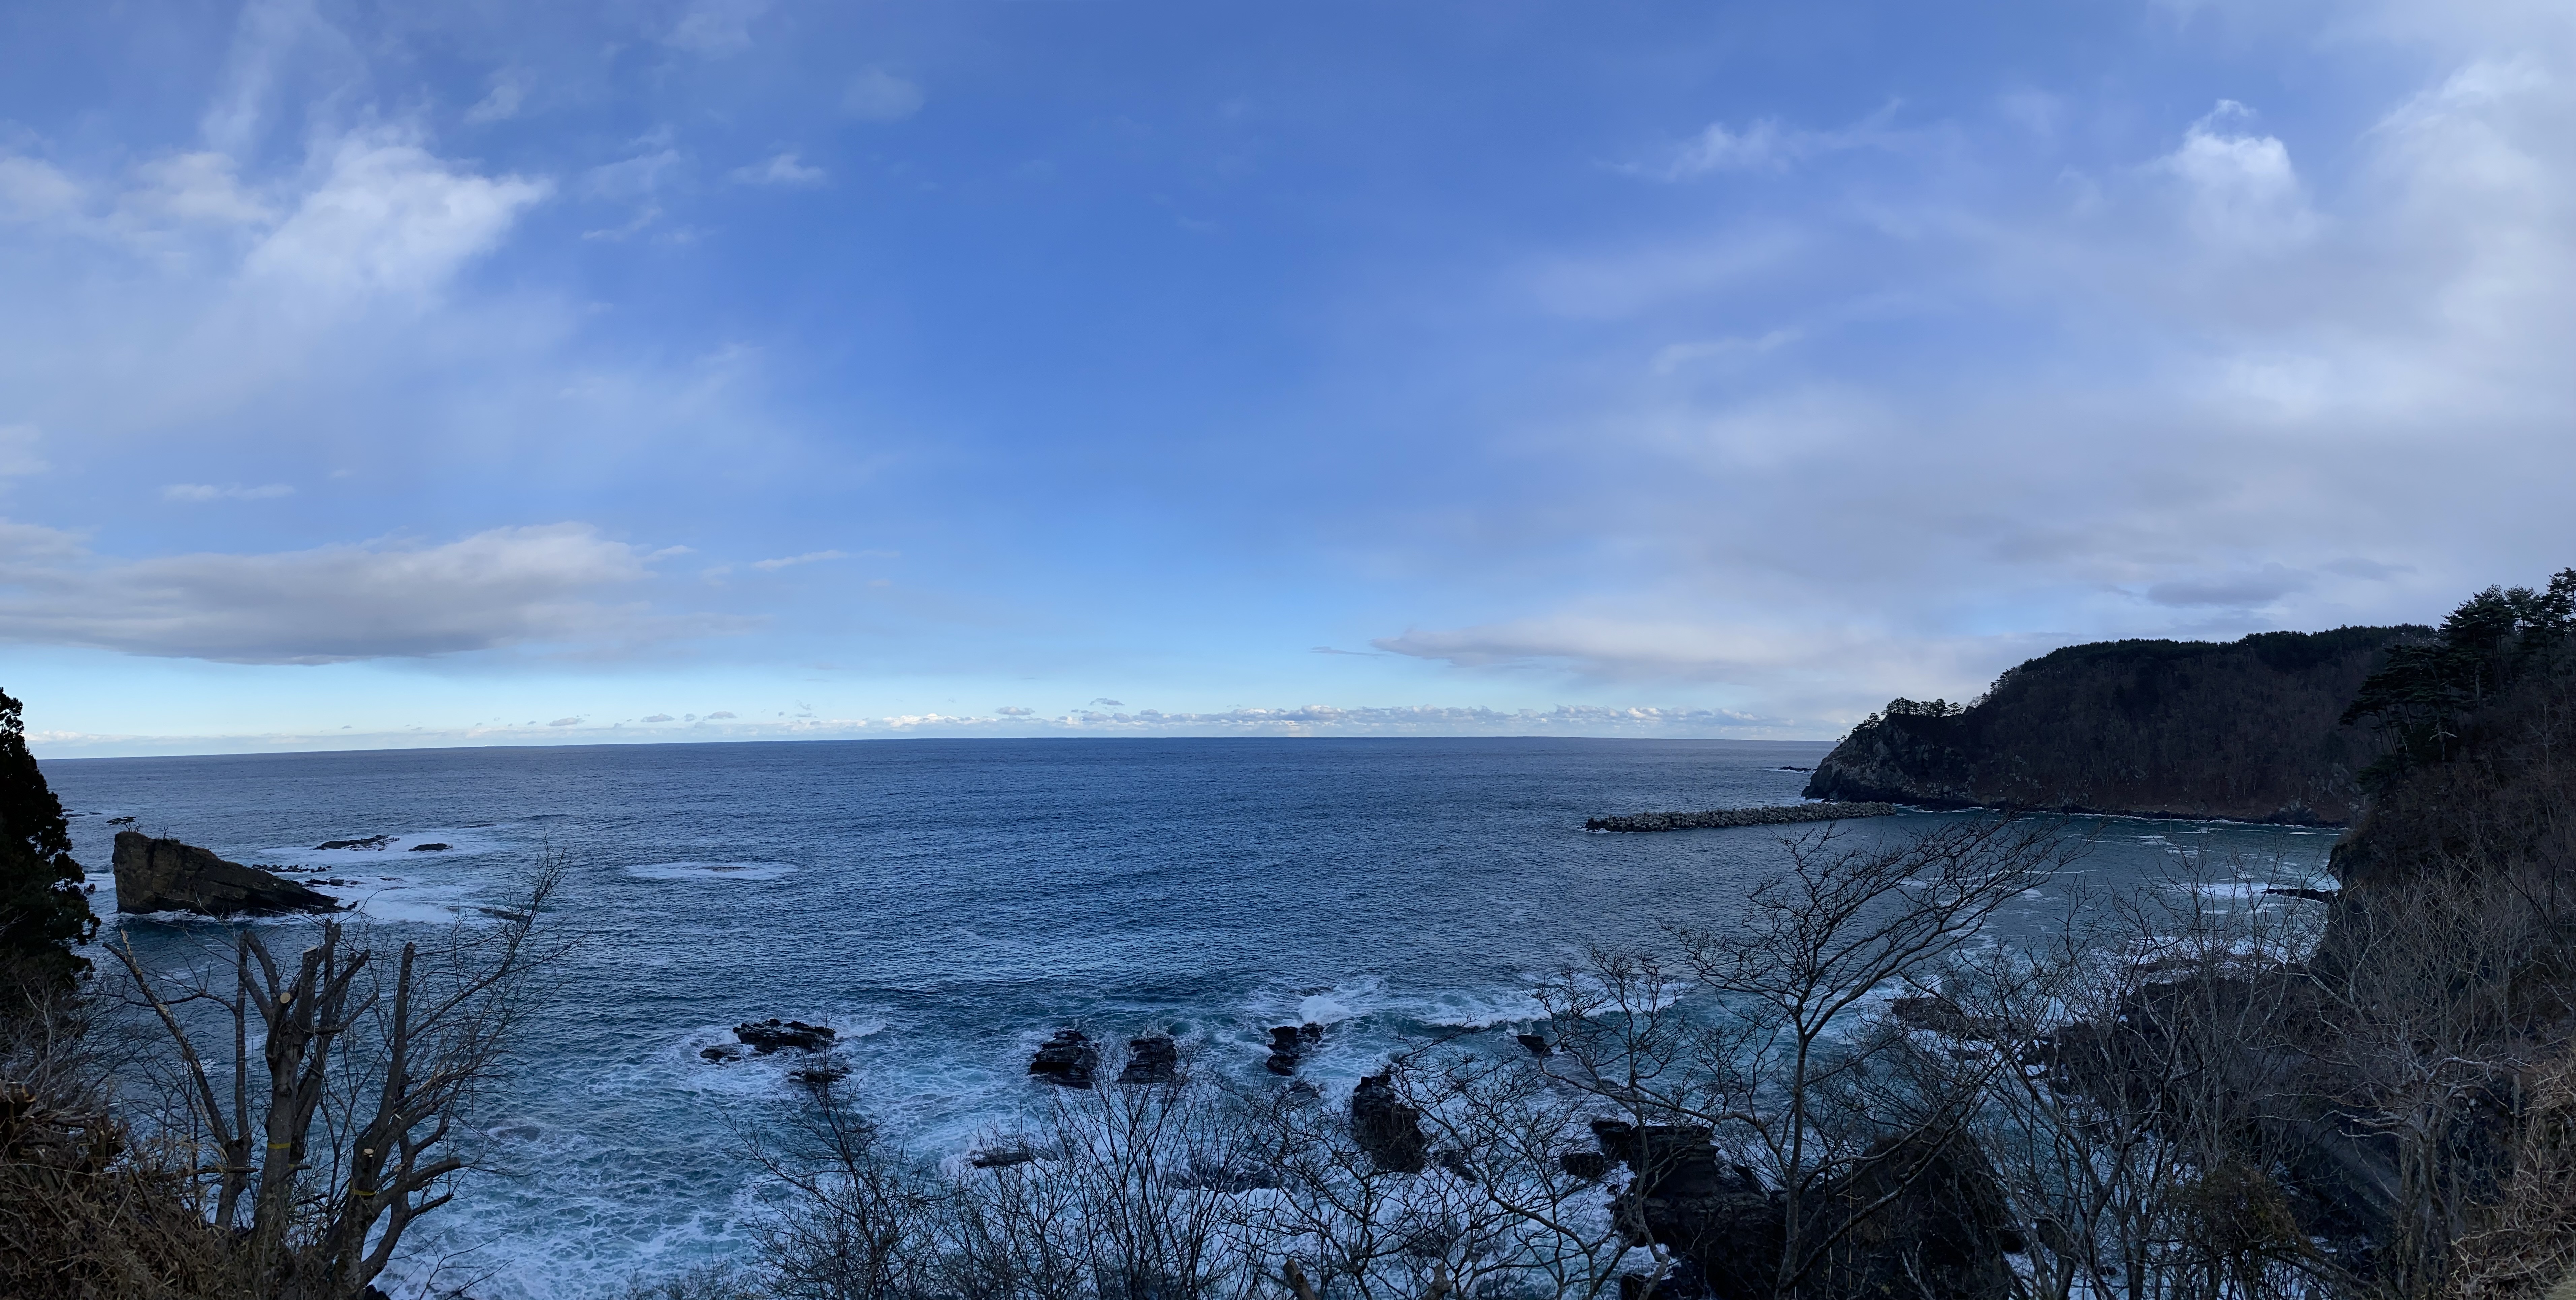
(2246, 730)
(158, 875)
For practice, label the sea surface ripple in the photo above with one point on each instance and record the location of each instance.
(947, 904)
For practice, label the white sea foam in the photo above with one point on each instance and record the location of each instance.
(1322, 1009)
(461, 842)
(711, 870)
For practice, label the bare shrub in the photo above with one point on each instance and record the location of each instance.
(324, 1144)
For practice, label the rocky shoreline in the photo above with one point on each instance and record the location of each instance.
(1725, 818)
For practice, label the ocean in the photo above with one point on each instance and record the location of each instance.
(946, 905)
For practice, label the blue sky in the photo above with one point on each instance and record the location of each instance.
(481, 373)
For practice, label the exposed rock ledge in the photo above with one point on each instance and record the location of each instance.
(1722, 818)
(168, 876)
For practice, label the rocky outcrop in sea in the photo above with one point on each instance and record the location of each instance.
(1388, 1132)
(163, 875)
(1288, 1044)
(1153, 1059)
(1067, 1060)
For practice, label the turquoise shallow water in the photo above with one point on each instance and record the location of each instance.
(946, 904)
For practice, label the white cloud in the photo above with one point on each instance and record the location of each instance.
(657, 717)
(503, 587)
(1763, 144)
(508, 94)
(1676, 356)
(2241, 189)
(636, 177)
(716, 27)
(1329, 720)
(810, 557)
(1639, 721)
(269, 37)
(390, 217)
(1766, 144)
(193, 188)
(18, 450)
(33, 190)
(2244, 589)
(780, 169)
(876, 95)
(233, 492)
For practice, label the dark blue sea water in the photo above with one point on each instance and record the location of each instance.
(946, 904)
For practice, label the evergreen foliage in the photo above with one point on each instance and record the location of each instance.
(2431, 685)
(43, 912)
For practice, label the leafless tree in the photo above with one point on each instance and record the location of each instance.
(2134, 1112)
(1144, 1166)
(2435, 1000)
(1337, 1211)
(1840, 923)
(1772, 1059)
(1501, 1129)
(857, 1221)
(335, 1130)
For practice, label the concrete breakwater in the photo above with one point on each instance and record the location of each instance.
(1721, 818)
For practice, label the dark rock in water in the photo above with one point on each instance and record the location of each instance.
(1002, 1159)
(1288, 1044)
(120, 821)
(429, 848)
(1537, 1045)
(1590, 1166)
(1305, 1092)
(1942, 1228)
(1681, 1281)
(815, 1076)
(168, 876)
(2312, 895)
(1938, 1014)
(1151, 1060)
(1389, 1132)
(371, 842)
(770, 1035)
(1067, 1060)
(1937, 1226)
(722, 1053)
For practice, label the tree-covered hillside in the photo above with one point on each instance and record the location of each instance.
(2252, 729)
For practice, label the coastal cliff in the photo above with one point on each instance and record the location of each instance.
(2248, 730)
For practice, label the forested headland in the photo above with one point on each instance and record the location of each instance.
(2248, 730)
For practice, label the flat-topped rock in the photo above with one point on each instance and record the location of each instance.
(1067, 1060)
(157, 875)
(766, 1036)
(1150, 1060)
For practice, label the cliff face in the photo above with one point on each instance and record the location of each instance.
(2247, 730)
